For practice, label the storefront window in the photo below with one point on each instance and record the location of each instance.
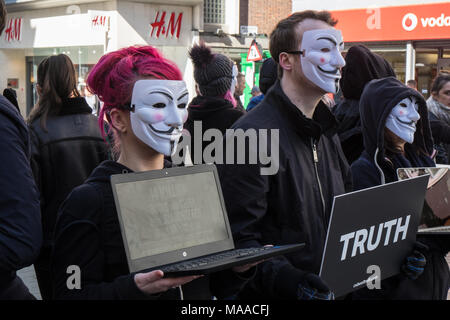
(426, 60)
(83, 58)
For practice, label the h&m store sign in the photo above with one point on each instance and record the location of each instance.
(417, 22)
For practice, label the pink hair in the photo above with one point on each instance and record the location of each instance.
(113, 77)
(228, 96)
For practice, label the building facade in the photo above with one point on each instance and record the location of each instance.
(413, 35)
(85, 30)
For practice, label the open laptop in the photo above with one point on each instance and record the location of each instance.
(175, 220)
(435, 219)
(371, 229)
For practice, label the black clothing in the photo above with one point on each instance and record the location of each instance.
(88, 235)
(11, 95)
(377, 101)
(214, 113)
(349, 129)
(20, 220)
(361, 66)
(441, 137)
(294, 204)
(239, 105)
(62, 158)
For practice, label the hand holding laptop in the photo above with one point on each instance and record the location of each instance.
(153, 282)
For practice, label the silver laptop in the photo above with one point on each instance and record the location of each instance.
(175, 220)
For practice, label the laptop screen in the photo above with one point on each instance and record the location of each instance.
(164, 214)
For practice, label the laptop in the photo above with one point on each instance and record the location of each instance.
(175, 220)
(435, 219)
(369, 230)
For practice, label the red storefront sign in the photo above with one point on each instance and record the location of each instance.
(418, 22)
(172, 27)
(13, 30)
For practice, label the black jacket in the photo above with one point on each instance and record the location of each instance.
(88, 235)
(377, 101)
(214, 113)
(285, 207)
(441, 137)
(64, 156)
(20, 220)
(362, 66)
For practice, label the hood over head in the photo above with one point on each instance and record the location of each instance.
(362, 66)
(378, 99)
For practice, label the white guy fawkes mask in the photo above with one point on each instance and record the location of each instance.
(403, 118)
(158, 111)
(321, 60)
(234, 81)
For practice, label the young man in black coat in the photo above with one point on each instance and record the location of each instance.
(290, 200)
(20, 221)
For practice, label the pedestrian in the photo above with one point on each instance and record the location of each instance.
(396, 131)
(439, 112)
(291, 204)
(143, 95)
(361, 66)
(20, 223)
(66, 146)
(239, 91)
(11, 95)
(214, 105)
(267, 77)
(412, 84)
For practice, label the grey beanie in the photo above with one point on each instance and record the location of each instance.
(212, 72)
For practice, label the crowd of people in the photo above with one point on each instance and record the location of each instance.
(58, 207)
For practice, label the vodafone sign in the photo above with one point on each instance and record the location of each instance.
(420, 22)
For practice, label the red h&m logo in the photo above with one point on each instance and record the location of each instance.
(173, 27)
(13, 31)
(101, 21)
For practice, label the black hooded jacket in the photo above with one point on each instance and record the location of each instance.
(87, 234)
(293, 204)
(213, 113)
(375, 167)
(362, 66)
(20, 219)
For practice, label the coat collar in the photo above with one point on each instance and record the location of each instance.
(323, 121)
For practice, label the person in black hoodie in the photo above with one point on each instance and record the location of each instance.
(361, 66)
(20, 220)
(389, 145)
(214, 107)
(145, 104)
(66, 146)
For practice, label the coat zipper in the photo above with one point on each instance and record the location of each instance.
(316, 161)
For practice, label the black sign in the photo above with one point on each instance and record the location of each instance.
(371, 232)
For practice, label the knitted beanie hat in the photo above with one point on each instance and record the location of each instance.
(212, 72)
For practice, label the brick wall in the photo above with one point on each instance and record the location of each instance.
(264, 14)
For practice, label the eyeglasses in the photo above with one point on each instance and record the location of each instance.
(302, 52)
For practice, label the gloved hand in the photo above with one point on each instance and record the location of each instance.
(415, 263)
(312, 287)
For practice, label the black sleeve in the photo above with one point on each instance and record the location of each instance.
(245, 191)
(20, 219)
(227, 283)
(78, 243)
(35, 161)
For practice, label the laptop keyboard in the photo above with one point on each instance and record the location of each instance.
(208, 260)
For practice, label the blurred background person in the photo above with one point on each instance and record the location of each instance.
(214, 105)
(267, 77)
(361, 66)
(66, 146)
(412, 84)
(11, 95)
(239, 91)
(439, 108)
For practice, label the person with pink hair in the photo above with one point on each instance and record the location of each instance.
(145, 103)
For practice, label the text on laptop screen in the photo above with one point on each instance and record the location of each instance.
(166, 214)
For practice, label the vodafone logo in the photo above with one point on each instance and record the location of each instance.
(409, 22)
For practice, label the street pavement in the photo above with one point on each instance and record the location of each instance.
(29, 278)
